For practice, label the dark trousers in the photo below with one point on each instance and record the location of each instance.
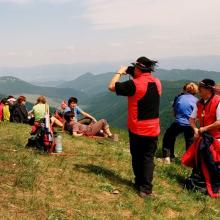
(170, 136)
(142, 150)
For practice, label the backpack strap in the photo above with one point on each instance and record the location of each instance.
(47, 117)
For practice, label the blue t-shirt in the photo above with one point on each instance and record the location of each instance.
(77, 111)
(183, 108)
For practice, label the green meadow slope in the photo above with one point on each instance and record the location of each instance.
(81, 185)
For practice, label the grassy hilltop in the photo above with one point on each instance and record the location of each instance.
(81, 185)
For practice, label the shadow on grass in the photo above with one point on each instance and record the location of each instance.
(173, 173)
(108, 174)
(179, 178)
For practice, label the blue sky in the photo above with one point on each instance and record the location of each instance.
(35, 32)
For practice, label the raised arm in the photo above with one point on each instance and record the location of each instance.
(87, 115)
(116, 78)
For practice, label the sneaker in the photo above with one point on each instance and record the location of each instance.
(167, 160)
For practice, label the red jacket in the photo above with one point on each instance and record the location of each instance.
(143, 106)
(204, 154)
(1, 111)
(207, 114)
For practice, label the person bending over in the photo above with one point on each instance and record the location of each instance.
(182, 107)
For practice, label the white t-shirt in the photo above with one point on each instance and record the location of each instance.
(194, 112)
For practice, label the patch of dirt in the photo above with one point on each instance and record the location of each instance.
(171, 214)
(105, 196)
(126, 214)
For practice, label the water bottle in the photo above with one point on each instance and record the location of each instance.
(58, 147)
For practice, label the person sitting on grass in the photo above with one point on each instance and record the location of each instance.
(19, 113)
(6, 111)
(72, 107)
(1, 109)
(58, 114)
(77, 129)
(40, 109)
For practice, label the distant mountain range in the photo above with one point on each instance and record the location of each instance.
(114, 108)
(92, 84)
(13, 86)
(191, 62)
(66, 72)
(89, 83)
(188, 74)
(94, 98)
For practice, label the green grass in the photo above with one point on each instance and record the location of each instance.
(80, 185)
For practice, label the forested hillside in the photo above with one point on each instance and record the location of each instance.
(186, 74)
(93, 96)
(10, 85)
(93, 84)
(114, 108)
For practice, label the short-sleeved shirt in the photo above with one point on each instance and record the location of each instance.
(126, 88)
(67, 109)
(183, 108)
(77, 111)
(39, 111)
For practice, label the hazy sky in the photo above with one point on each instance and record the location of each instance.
(34, 32)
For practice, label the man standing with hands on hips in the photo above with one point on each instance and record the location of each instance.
(143, 92)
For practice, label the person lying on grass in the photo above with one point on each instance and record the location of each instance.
(77, 129)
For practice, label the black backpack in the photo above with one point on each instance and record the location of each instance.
(196, 182)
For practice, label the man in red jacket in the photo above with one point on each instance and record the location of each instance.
(143, 93)
(207, 110)
(203, 155)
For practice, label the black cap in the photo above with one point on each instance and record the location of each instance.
(207, 83)
(144, 63)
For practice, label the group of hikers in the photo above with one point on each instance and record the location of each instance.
(67, 117)
(197, 119)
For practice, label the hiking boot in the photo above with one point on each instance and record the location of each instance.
(136, 186)
(144, 195)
